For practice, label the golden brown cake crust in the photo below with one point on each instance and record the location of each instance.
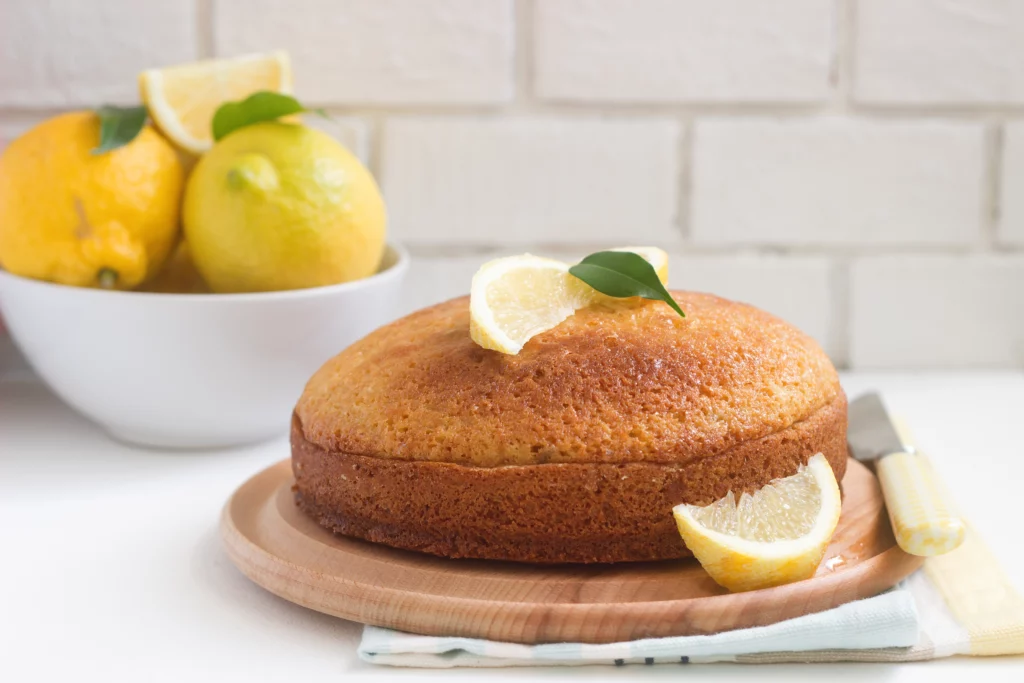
(554, 512)
(627, 381)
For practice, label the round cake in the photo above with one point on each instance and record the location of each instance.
(574, 450)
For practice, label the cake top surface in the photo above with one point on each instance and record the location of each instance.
(621, 381)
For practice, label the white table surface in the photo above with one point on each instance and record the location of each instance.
(112, 568)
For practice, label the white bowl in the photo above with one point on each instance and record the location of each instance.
(191, 370)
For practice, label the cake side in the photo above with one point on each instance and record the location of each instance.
(552, 512)
(625, 381)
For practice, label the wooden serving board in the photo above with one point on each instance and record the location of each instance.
(289, 554)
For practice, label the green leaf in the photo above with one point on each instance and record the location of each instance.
(119, 126)
(623, 274)
(256, 108)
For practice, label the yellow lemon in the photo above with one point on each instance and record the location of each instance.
(278, 206)
(77, 218)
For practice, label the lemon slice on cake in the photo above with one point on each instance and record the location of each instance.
(515, 298)
(183, 99)
(774, 536)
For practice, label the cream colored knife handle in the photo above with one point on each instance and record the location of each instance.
(920, 510)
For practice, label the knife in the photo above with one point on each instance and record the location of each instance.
(922, 515)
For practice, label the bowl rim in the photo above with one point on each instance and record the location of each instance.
(395, 270)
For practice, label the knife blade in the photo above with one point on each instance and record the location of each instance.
(923, 518)
(871, 432)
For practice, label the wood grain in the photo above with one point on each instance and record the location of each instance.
(290, 555)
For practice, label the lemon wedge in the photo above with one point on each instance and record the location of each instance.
(776, 535)
(656, 257)
(183, 99)
(515, 298)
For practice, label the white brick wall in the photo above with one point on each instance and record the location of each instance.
(854, 166)
(475, 181)
(940, 52)
(935, 311)
(1011, 229)
(837, 182)
(683, 50)
(67, 53)
(380, 51)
